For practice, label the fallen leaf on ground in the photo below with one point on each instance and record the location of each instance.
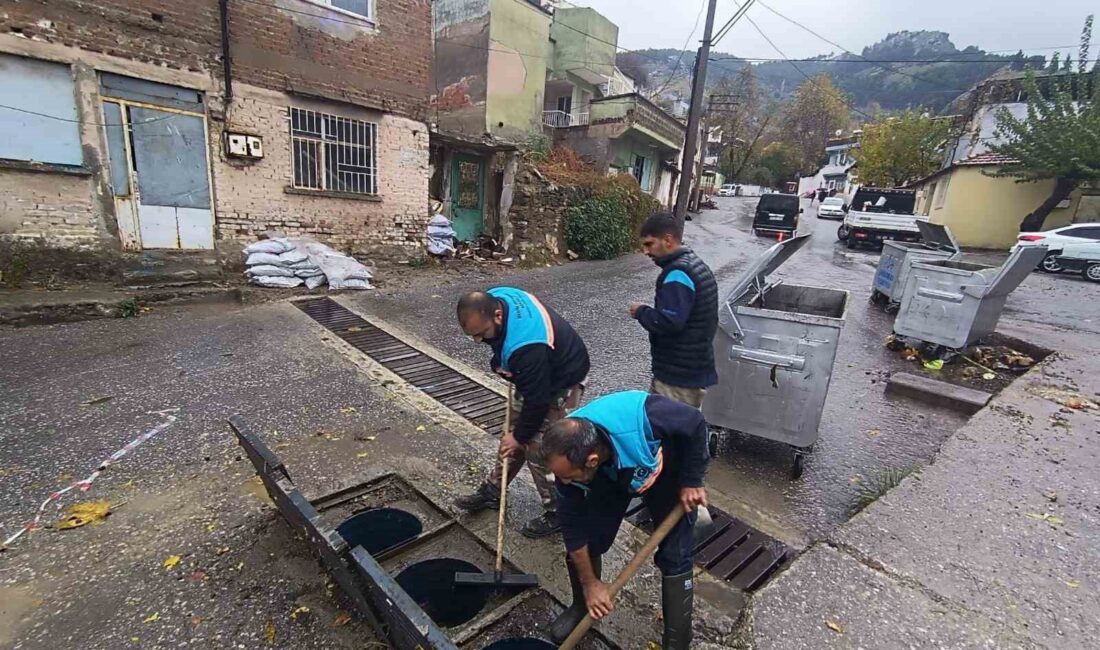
(196, 620)
(210, 527)
(355, 328)
(1073, 584)
(874, 433)
(82, 514)
(934, 364)
(301, 610)
(282, 445)
(421, 428)
(362, 454)
(98, 400)
(172, 561)
(349, 409)
(1053, 520)
(155, 616)
(198, 575)
(269, 633)
(989, 376)
(343, 618)
(834, 626)
(128, 484)
(64, 478)
(240, 565)
(223, 550)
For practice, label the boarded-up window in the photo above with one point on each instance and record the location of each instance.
(38, 120)
(333, 153)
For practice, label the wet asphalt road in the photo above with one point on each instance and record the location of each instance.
(862, 434)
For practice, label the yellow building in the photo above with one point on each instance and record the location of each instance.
(985, 211)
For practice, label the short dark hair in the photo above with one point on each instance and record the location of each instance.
(574, 438)
(477, 302)
(660, 224)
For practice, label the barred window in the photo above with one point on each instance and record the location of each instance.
(333, 153)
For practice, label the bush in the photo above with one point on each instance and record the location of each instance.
(598, 228)
(639, 205)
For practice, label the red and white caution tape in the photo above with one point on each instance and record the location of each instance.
(86, 484)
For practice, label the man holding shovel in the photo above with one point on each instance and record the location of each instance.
(535, 349)
(620, 446)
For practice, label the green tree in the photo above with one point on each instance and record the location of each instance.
(1060, 137)
(901, 148)
(817, 111)
(779, 159)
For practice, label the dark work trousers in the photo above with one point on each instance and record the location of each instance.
(606, 507)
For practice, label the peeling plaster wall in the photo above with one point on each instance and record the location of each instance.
(520, 38)
(461, 64)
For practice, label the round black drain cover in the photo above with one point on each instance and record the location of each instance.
(520, 644)
(431, 584)
(379, 529)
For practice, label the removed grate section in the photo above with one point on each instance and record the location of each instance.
(456, 391)
(731, 550)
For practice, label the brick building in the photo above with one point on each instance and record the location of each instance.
(159, 124)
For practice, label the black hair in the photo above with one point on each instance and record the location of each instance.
(477, 302)
(574, 438)
(660, 224)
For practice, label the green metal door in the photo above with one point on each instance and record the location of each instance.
(467, 196)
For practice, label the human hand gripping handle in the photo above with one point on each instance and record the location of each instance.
(693, 497)
(647, 551)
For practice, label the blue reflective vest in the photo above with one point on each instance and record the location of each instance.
(623, 416)
(528, 322)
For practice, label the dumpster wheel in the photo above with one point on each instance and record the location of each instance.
(712, 443)
(799, 462)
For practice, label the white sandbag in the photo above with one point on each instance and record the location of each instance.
(308, 273)
(275, 246)
(352, 284)
(338, 268)
(315, 281)
(304, 264)
(293, 256)
(441, 235)
(263, 258)
(276, 282)
(269, 270)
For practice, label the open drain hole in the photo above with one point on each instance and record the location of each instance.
(520, 644)
(431, 584)
(379, 529)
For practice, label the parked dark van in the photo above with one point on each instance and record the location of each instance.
(776, 213)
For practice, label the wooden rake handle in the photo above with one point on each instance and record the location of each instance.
(641, 556)
(503, 485)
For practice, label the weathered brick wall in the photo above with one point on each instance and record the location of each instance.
(313, 50)
(251, 197)
(54, 207)
(184, 35)
(538, 215)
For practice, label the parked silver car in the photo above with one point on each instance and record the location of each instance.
(831, 208)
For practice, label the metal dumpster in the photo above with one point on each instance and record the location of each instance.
(936, 242)
(954, 304)
(774, 352)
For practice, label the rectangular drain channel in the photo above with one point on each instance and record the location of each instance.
(732, 550)
(464, 396)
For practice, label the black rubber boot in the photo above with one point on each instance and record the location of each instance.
(678, 602)
(486, 498)
(544, 525)
(563, 625)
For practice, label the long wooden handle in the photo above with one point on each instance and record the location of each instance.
(641, 556)
(503, 486)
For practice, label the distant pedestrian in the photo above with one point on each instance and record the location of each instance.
(684, 316)
(535, 349)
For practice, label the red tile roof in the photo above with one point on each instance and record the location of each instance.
(988, 158)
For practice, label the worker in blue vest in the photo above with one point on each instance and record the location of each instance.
(603, 455)
(535, 349)
(684, 316)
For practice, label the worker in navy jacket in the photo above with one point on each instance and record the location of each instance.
(535, 349)
(684, 316)
(603, 455)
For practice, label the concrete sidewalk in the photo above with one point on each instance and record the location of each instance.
(992, 545)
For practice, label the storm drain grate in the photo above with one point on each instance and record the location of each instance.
(456, 391)
(732, 550)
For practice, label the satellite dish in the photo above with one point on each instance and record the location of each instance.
(839, 132)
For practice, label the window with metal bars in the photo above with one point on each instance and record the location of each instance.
(333, 153)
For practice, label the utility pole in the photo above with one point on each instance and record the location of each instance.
(695, 112)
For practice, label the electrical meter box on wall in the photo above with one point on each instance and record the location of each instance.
(244, 146)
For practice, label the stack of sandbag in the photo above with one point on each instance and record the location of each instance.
(285, 263)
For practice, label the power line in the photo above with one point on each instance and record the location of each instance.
(65, 119)
(795, 66)
(764, 59)
(683, 50)
(741, 11)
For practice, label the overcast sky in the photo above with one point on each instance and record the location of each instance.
(989, 24)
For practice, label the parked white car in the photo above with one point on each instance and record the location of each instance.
(1055, 240)
(1081, 258)
(727, 190)
(831, 208)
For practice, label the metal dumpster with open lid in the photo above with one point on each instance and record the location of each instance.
(774, 351)
(954, 304)
(937, 243)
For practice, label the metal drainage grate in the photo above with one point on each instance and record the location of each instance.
(471, 400)
(731, 551)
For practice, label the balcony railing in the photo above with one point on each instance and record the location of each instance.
(561, 119)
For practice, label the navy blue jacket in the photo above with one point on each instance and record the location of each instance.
(540, 372)
(682, 321)
(677, 430)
